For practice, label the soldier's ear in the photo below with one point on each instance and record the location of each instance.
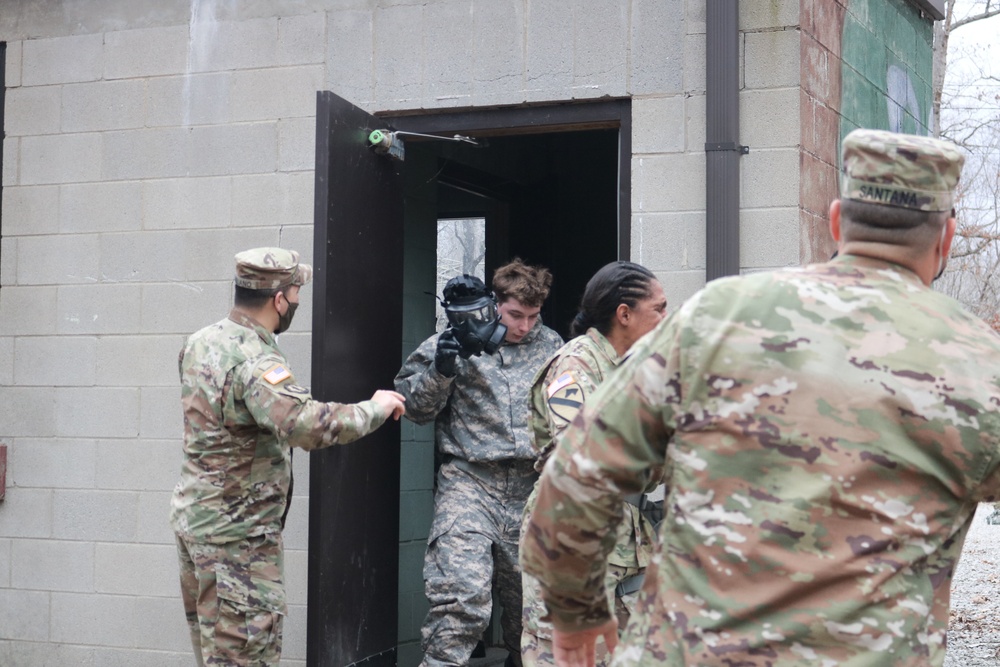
(623, 313)
(835, 220)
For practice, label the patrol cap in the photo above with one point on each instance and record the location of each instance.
(270, 268)
(903, 170)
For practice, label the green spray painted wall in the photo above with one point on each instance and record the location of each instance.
(886, 71)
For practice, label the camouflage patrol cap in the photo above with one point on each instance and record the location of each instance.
(901, 170)
(270, 268)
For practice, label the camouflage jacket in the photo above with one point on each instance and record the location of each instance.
(242, 414)
(481, 413)
(828, 432)
(557, 393)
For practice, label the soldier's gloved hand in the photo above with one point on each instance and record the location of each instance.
(446, 354)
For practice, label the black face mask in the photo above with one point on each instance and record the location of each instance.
(285, 321)
(476, 336)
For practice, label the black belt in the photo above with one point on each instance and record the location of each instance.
(635, 499)
(629, 585)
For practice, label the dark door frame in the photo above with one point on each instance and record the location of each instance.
(357, 334)
(538, 119)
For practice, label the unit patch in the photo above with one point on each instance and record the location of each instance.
(565, 397)
(277, 374)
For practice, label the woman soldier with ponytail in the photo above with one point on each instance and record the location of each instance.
(621, 303)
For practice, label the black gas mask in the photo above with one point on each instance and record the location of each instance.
(472, 316)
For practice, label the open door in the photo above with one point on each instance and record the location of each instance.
(357, 337)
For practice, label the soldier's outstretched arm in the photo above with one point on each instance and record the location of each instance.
(608, 451)
(425, 389)
(274, 400)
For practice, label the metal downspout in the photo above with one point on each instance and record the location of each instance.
(722, 146)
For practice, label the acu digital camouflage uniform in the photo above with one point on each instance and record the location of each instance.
(243, 413)
(557, 393)
(828, 432)
(486, 473)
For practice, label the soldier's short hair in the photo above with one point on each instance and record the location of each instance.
(860, 221)
(252, 299)
(528, 284)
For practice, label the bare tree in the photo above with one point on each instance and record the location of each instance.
(966, 100)
(461, 248)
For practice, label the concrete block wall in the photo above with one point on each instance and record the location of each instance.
(142, 151)
(134, 169)
(668, 139)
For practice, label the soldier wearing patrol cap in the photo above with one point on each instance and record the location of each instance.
(243, 412)
(827, 433)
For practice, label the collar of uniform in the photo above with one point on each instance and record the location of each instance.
(862, 262)
(604, 345)
(241, 318)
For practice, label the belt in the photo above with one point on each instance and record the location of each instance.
(629, 585)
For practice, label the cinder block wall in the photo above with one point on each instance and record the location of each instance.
(138, 161)
(136, 164)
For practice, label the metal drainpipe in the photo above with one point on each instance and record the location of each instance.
(722, 146)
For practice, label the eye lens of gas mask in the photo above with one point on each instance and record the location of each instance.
(483, 310)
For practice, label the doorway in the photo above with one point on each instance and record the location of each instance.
(549, 184)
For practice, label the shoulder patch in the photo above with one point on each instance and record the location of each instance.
(565, 397)
(277, 374)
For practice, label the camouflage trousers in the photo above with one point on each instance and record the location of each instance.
(536, 637)
(472, 545)
(234, 600)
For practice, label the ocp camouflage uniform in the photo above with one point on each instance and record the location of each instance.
(486, 473)
(558, 391)
(831, 430)
(243, 413)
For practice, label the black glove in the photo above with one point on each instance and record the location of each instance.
(446, 354)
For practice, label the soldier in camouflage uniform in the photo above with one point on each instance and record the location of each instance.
(479, 409)
(622, 302)
(243, 413)
(827, 430)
